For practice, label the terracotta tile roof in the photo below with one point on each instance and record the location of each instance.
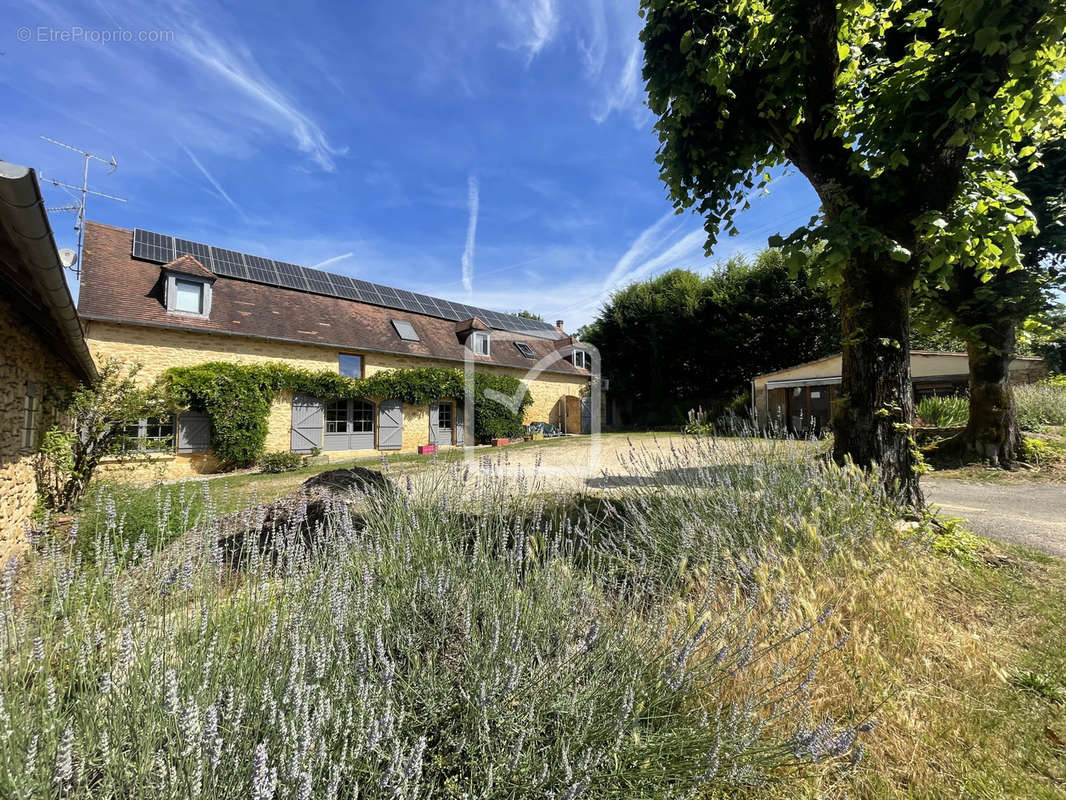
(187, 265)
(116, 287)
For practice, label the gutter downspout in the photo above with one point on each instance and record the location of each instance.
(23, 214)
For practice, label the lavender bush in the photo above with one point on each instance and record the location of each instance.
(468, 637)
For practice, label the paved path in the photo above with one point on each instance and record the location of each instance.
(1033, 514)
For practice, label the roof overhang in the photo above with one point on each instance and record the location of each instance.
(24, 227)
(790, 383)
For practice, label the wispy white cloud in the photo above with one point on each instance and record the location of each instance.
(666, 244)
(533, 23)
(219, 191)
(626, 93)
(473, 203)
(594, 43)
(235, 65)
(332, 260)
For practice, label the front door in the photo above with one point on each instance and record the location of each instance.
(441, 423)
(349, 425)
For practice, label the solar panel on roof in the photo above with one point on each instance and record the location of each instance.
(161, 248)
(153, 246)
(229, 263)
(262, 270)
(317, 280)
(201, 252)
(290, 275)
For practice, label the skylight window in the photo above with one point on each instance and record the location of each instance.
(525, 349)
(405, 330)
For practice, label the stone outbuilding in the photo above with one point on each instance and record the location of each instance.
(43, 355)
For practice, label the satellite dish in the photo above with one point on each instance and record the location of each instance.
(67, 257)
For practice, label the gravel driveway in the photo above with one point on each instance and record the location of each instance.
(1032, 514)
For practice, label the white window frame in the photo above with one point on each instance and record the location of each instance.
(479, 340)
(582, 360)
(172, 295)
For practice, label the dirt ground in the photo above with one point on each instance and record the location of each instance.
(610, 461)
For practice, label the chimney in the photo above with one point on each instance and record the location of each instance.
(559, 326)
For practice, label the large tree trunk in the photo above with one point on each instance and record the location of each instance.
(992, 431)
(872, 422)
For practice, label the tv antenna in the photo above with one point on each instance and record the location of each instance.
(79, 194)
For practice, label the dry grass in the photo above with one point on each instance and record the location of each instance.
(934, 648)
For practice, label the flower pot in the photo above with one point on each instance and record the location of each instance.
(425, 449)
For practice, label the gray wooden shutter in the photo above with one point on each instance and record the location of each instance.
(390, 425)
(308, 418)
(434, 421)
(460, 424)
(586, 415)
(194, 432)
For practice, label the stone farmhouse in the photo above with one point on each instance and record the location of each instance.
(164, 301)
(44, 354)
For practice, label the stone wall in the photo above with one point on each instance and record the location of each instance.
(158, 349)
(26, 360)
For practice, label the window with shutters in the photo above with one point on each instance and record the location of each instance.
(31, 414)
(149, 435)
(444, 415)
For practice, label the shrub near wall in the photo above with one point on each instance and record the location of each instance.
(237, 398)
(1041, 403)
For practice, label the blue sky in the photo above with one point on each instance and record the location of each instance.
(492, 150)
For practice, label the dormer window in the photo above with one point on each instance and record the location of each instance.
(479, 343)
(188, 287)
(582, 360)
(188, 295)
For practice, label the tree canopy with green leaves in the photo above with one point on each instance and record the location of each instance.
(682, 340)
(906, 117)
(987, 307)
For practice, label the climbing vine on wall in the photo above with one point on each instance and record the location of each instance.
(237, 398)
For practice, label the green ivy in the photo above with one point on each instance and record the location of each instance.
(237, 398)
